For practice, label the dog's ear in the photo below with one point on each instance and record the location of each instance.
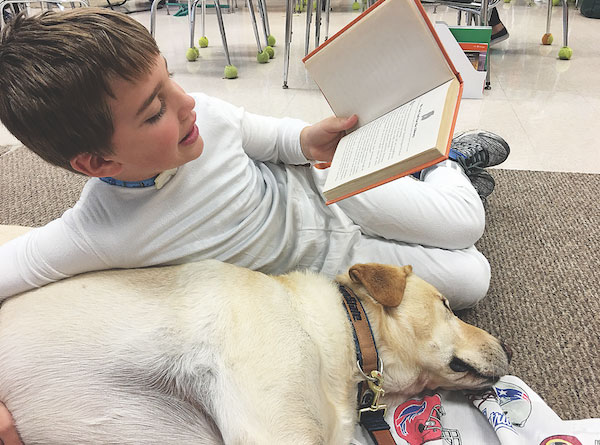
(385, 283)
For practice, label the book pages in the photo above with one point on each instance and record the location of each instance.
(387, 57)
(398, 135)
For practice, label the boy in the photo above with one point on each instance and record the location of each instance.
(178, 178)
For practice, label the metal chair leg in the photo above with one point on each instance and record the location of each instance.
(153, 16)
(289, 7)
(254, 25)
(265, 18)
(308, 23)
(261, 14)
(319, 4)
(327, 11)
(222, 29)
(549, 17)
(203, 23)
(192, 20)
(483, 20)
(565, 8)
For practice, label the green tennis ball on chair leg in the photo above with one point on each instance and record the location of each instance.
(203, 42)
(270, 51)
(192, 54)
(271, 40)
(231, 72)
(565, 53)
(355, 6)
(262, 57)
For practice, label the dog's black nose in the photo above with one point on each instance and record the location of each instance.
(507, 350)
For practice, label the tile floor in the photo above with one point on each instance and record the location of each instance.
(547, 109)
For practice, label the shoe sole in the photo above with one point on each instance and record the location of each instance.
(499, 39)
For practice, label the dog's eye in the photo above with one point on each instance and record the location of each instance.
(447, 304)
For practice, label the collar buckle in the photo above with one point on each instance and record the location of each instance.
(375, 383)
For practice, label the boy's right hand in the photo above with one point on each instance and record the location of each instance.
(8, 432)
(320, 140)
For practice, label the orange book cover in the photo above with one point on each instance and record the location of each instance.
(389, 67)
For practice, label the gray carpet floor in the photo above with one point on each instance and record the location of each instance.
(542, 240)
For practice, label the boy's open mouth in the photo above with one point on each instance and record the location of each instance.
(191, 137)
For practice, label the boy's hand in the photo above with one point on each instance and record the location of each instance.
(320, 140)
(8, 432)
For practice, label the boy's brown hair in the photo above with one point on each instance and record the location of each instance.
(55, 74)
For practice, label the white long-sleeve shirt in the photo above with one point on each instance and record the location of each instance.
(242, 201)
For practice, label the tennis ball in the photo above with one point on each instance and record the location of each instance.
(355, 6)
(192, 54)
(506, 1)
(203, 42)
(555, 2)
(565, 53)
(270, 51)
(547, 39)
(271, 40)
(231, 72)
(262, 57)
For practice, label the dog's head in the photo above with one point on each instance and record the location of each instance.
(423, 344)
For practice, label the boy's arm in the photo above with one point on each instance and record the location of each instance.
(292, 141)
(44, 255)
(270, 139)
(284, 140)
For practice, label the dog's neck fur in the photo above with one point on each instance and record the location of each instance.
(400, 377)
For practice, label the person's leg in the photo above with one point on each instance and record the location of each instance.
(442, 210)
(8, 432)
(462, 276)
(499, 32)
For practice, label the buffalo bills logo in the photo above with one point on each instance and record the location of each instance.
(418, 421)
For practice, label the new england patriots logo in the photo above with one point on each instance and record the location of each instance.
(506, 395)
(514, 402)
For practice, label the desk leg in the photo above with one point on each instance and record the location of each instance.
(289, 6)
(565, 8)
(483, 20)
(308, 23)
(319, 4)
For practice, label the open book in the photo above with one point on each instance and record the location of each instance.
(389, 68)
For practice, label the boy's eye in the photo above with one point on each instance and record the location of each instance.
(158, 115)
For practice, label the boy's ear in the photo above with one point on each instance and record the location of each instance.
(94, 165)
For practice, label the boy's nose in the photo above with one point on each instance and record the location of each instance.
(187, 105)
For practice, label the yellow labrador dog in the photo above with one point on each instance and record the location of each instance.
(208, 353)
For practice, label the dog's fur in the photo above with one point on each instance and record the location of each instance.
(209, 353)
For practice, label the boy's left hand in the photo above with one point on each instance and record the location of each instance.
(8, 432)
(320, 140)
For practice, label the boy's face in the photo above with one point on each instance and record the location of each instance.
(154, 125)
